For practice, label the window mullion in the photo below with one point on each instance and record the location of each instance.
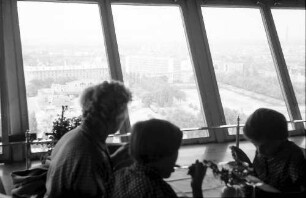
(14, 103)
(281, 67)
(3, 95)
(112, 48)
(13, 65)
(203, 65)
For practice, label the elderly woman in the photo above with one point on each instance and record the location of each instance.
(80, 162)
(154, 146)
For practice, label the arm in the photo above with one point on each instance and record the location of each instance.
(239, 155)
(269, 191)
(298, 172)
(260, 184)
(197, 172)
(121, 157)
(262, 193)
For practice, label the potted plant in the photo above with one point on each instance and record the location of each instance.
(61, 125)
(233, 174)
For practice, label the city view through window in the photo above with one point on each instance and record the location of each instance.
(64, 52)
(243, 63)
(156, 66)
(290, 26)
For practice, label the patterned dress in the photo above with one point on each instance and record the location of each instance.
(140, 181)
(286, 170)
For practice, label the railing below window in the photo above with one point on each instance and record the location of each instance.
(30, 142)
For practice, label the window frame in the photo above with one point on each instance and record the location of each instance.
(14, 112)
(300, 125)
(3, 93)
(281, 68)
(276, 52)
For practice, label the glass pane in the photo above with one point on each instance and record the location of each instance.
(243, 64)
(290, 25)
(63, 53)
(156, 65)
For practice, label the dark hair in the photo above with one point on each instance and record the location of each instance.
(153, 140)
(266, 124)
(104, 102)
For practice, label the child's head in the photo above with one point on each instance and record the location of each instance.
(266, 126)
(155, 143)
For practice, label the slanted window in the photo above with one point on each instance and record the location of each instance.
(242, 60)
(290, 26)
(63, 53)
(156, 65)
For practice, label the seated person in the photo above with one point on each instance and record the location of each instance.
(2, 190)
(80, 162)
(154, 146)
(279, 164)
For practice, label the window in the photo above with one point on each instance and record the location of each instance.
(243, 64)
(156, 66)
(63, 53)
(290, 26)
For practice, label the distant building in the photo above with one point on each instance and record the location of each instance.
(184, 73)
(231, 67)
(149, 66)
(45, 95)
(58, 72)
(297, 72)
(73, 87)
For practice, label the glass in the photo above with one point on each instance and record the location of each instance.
(243, 64)
(290, 26)
(63, 53)
(157, 67)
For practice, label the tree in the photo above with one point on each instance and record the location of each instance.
(158, 91)
(33, 122)
(185, 119)
(36, 84)
(147, 99)
(231, 116)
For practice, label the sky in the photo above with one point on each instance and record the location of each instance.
(56, 23)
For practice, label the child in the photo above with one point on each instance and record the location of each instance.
(154, 146)
(278, 162)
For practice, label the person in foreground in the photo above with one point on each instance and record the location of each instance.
(80, 162)
(279, 164)
(154, 147)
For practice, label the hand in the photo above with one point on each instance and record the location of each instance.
(197, 171)
(252, 180)
(121, 154)
(240, 156)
